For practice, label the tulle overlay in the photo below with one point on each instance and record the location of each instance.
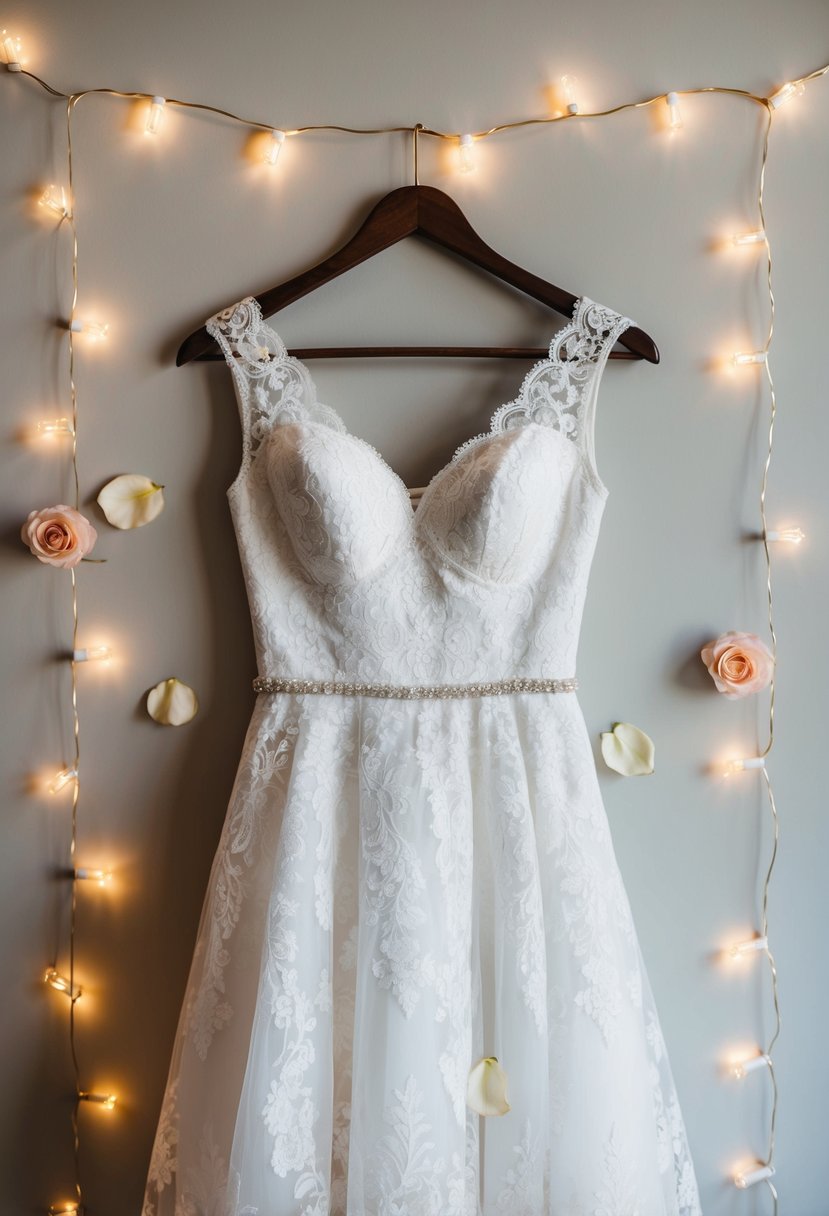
(444, 887)
(405, 886)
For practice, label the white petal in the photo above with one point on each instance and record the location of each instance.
(628, 750)
(486, 1088)
(131, 500)
(172, 703)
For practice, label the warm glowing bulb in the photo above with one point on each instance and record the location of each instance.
(466, 154)
(745, 357)
(793, 88)
(88, 653)
(756, 237)
(61, 1209)
(741, 1068)
(748, 1176)
(106, 1100)
(569, 85)
(739, 764)
(155, 117)
(102, 877)
(11, 49)
(59, 982)
(754, 945)
(792, 536)
(55, 199)
(275, 141)
(51, 428)
(675, 114)
(62, 779)
(95, 331)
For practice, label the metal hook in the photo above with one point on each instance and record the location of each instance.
(417, 127)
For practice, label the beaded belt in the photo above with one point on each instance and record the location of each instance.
(415, 692)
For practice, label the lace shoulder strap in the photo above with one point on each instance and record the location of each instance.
(272, 387)
(560, 391)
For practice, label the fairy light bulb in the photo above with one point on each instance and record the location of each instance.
(792, 88)
(569, 85)
(63, 1208)
(750, 1176)
(55, 200)
(54, 428)
(62, 779)
(744, 358)
(741, 1068)
(11, 50)
(755, 237)
(466, 153)
(95, 331)
(92, 653)
(791, 536)
(740, 763)
(275, 141)
(59, 982)
(674, 112)
(754, 945)
(107, 1101)
(155, 117)
(102, 877)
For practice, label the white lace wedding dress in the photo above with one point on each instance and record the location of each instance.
(416, 868)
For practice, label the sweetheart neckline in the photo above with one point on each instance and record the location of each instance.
(465, 445)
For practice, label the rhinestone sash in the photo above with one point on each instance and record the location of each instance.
(414, 692)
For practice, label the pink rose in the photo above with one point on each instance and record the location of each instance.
(59, 536)
(739, 663)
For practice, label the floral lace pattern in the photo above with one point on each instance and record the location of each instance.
(403, 886)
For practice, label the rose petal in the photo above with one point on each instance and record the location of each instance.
(486, 1087)
(131, 500)
(172, 703)
(628, 750)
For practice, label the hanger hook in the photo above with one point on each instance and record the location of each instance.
(417, 127)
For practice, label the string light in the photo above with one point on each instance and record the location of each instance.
(107, 1101)
(738, 764)
(757, 237)
(66, 776)
(274, 146)
(88, 654)
(569, 85)
(102, 877)
(793, 88)
(155, 117)
(60, 983)
(753, 945)
(54, 199)
(792, 536)
(95, 331)
(11, 50)
(466, 153)
(746, 357)
(741, 1068)
(674, 112)
(63, 1208)
(745, 1178)
(52, 428)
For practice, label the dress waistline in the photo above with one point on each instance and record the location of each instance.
(414, 692)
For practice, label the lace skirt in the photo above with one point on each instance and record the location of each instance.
(400, 889)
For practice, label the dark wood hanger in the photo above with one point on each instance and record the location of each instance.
(433, 214)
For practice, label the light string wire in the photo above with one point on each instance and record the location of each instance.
(72, 100)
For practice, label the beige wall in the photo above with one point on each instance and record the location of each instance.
(171, 230)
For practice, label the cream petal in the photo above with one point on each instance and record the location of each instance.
(628, 750)
(131, 500)
(172, 703)
(486, 1088)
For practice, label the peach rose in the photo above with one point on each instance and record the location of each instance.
(58, 536)
(739, 663)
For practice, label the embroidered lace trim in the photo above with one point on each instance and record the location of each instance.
(415, 692)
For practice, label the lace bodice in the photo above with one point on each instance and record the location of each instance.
(484, 581)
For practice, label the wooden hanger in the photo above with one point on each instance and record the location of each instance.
(431, 213)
